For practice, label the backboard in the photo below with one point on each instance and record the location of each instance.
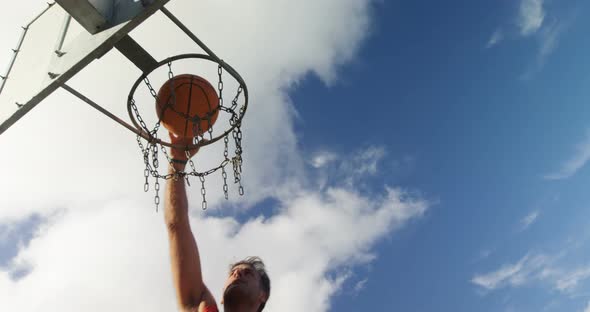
(59, 42)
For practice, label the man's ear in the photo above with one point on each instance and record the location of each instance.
(263, 297)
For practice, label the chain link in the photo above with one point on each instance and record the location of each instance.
(234, 102)
(240, 189)
(155, 159)
(170, 73)
(220, 84)
(203, 192)
(153, 92)
(157, 197)
(220, 103)
(146, 186)
(172, 103)
(225, 188)
(225, 149)
(163, 149)
(137, 115)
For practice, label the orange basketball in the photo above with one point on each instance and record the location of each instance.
(194, 104)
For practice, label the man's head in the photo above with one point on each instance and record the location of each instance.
(247, 284)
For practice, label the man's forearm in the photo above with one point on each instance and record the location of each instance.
(184, 254)
(176, 203)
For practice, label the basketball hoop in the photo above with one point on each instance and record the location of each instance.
(106, 26)
(151, 144)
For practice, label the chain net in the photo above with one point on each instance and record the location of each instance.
(152, 147)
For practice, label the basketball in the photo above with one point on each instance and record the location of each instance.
(191, 109)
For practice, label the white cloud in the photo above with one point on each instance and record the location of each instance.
(506, 275)
(362, 164)
(527, 269)
(587, 309)
(102, 246)
(354, 169)
(484, 254)
(577, 161)
(496, 37)
(114, 256)
(530, 19)
(570, 280)
(366, 161)
(528, 220)
(531, 16)
(540, 269)
(533, 22)
(321, 159)
(360, 285)
(548, 41)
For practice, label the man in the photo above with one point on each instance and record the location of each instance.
(247, 288)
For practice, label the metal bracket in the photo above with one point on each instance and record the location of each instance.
(136, 54)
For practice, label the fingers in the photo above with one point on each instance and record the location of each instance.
(178, 140)
(174, 139)
(182, 152)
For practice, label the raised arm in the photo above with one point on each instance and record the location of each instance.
(184, 253)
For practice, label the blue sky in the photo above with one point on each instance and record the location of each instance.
(485, 126)
(400, 156)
